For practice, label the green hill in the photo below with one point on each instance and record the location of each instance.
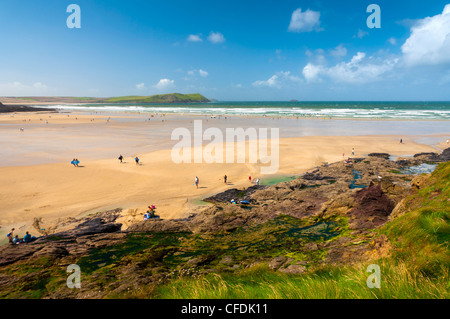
(160, 98)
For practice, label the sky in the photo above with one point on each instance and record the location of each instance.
(227, 50)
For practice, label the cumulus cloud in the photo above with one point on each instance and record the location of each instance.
(358, 70)
(429, 42)
(194, 38)
(203, 73)
(140, 86)
(277, 80)
(311, 72)
(216, 37)
(339, 51)
(305, 21)
(164, 84)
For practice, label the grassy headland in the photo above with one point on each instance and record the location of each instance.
(160, 98)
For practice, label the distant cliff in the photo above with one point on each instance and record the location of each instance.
(160, 98)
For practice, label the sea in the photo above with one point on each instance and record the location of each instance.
(336, 110)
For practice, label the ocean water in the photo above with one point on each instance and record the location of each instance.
(336, 110)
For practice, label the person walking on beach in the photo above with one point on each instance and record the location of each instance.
(353, 152)
(225, 179)
(137, 160)
(250, 178)
(73, 162)
(196, 181)
(10, 236)
(77, 162)
(401, 141)
(120, 158)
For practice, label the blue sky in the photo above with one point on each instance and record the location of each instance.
(227, 50)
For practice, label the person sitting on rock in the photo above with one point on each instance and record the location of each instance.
(28, 238)
(17, 240)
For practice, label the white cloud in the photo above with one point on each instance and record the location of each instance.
(194, 38)
(311, 72)
(339, 51)
(392, 41)
(140, 86)
(305, 21)
(317, 56)
(165, 84)
(200, 72)
(20, 89)
(361, 34)
(429, 42)
(39, 85)
(203, 73)
(358, 70)
(216, 37)
(278, 80)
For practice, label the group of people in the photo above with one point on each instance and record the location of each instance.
(15, 240)
(256, 181)
(75, 162)
(225, 180)
(136, 159)
(150, 213)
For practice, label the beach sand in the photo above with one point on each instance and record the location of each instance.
(41, 182)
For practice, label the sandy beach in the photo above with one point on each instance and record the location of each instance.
(38, 181)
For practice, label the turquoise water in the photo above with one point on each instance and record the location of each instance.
(362, 110)
(420, 169)
(356, 175)
(276, 179)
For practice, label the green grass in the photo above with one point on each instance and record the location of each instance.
(349, 282)
(422, 236)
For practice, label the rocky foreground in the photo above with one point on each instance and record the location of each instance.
(327, 216)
